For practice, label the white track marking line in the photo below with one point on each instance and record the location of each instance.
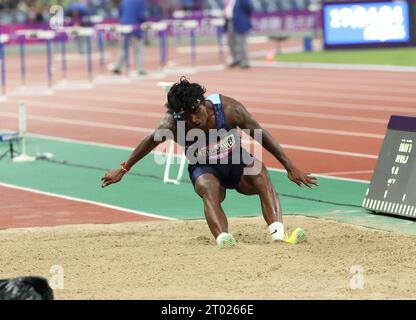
(56, 195)
(106, 145)
(89, 108)
(120, 111)
(319, 115)
(335, 66)
(313, 93)
(80, 122)
(323, 131)
(312, 83)
(295, 102)
(319, 175)
(346, 172)
(149, 130)
(330, 151)
(295, 92)
(330, 105)
(113, 146)
(102, 97)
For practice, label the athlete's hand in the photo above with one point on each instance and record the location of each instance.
(112, 176)
(301, 178)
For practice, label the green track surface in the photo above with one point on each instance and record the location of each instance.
(395, 56)
(76, 170)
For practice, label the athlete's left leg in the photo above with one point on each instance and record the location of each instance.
(261, 184)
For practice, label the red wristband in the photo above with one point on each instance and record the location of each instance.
(125, 167)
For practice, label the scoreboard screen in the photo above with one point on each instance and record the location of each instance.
(393, 186)
(366, 23)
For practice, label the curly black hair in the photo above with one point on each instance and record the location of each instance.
(184, 97)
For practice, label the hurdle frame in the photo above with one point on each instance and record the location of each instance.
(23, 157)
(4, 38)
(47, 36)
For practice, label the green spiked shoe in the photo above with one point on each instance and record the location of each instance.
(297, 236)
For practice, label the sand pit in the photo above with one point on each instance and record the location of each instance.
(179, 260)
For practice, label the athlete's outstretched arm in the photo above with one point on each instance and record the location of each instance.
(149, 142)
(245, 120)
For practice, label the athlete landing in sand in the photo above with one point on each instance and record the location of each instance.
(217, 160)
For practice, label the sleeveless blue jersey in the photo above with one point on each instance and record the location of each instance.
(219, 154)
(219, 144)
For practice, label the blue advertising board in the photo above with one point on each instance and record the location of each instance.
(380, 23)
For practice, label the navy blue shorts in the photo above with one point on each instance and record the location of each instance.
(229, 175)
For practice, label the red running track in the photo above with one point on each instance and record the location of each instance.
(330, 122)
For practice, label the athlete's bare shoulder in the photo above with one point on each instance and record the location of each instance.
(234, 111)
(166, 124)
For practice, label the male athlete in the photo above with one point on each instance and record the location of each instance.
(217, 160)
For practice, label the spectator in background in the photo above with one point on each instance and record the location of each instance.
(79, 14)
(35, 12)
(132, 12)
(237, 26)
(188, 4)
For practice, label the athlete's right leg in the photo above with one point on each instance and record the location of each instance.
(209, 188)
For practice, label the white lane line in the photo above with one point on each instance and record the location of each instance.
(295, 101)
(113, 146)
(248, 142)
(331, 105)
(303, 81)
(271, 168)
(330, 151)
(324, 131)
(346, 172)
(56, 195)
(318, 115)
(80, 122)
(335, 66)
(92, 109)
(313, 93)
(148, 130)
(120, 111)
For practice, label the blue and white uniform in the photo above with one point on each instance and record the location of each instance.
(222, 155)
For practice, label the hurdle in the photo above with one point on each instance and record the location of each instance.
(65, 35)
(191, 25)
(4, 38)
(88, 34)
(171, 150)
(218, 24)
(96, 20)
(100, 46)
(126, 31)
(47, 36)
(10, 138)
(23, 157)
(101, 30)
(177, 27)
(64, 67)
(161, 28)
